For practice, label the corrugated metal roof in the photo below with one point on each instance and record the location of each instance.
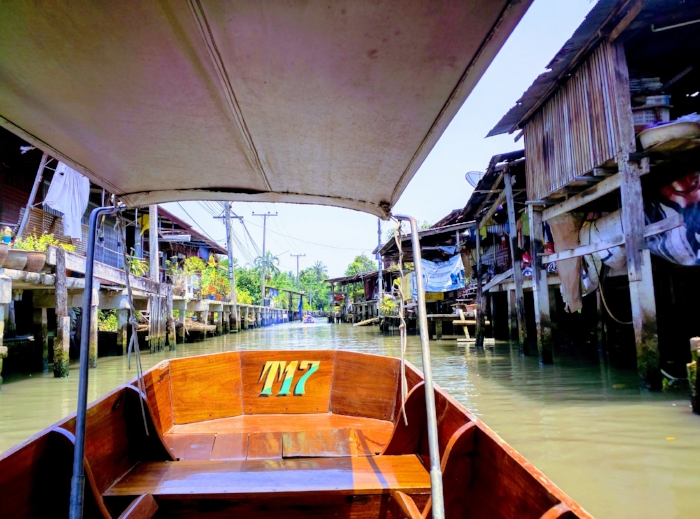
(583, 39)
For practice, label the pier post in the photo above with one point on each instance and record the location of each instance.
(480, 307)
(94, 309)
(226, 321)
(123, 331)
(61, 344)
(219, 321)
(516, 260)
(540, 289)
(41, 335)
(5, 297)
(244, 319)
(512, 316)
(170, 319)
(641, 284)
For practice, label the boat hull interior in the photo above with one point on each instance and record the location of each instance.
(314, 433)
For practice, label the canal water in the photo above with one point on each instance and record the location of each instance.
(618, 452)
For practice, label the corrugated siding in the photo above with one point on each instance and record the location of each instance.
(575, 131)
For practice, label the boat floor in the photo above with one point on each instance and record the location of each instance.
(278, 436)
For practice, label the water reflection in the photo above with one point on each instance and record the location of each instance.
(580, 421)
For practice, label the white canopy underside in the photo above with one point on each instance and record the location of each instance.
(322, 102)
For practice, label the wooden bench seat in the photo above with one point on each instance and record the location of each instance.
(264, 437)
(248, 479)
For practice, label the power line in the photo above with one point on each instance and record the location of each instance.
(314, 243)
(196, 223)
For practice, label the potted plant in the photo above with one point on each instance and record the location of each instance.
(34, 249)
(215, 283)
(177, 277)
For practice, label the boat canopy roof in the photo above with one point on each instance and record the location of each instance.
(318, 101)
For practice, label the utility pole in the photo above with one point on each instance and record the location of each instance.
(297, 256)
(380, 280)
(264, 258)
(229, 247)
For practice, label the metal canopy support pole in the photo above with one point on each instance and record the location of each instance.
(438, 505)
(77, 483)
(32, 195)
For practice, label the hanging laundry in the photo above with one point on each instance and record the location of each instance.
(69, 193)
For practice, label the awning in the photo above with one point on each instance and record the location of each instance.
(323, 102)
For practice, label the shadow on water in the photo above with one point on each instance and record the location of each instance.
(618, 451)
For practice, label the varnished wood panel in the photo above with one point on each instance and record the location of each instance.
(402, 506)
(406, 436)
(264, 445)
(157, 384)
(457, 470)
(35, 479)
(294, 507)
(329, 443)
(143, 507)
(503, 488)
(283, 477)
(115, 436)
(364, 385)
(413, 378)
(287, 423)
(190, 447)
(449, 418)
(205, 387)
(317, 386)
(230, 446)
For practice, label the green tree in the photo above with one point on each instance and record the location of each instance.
(361, 264)
(270, 263)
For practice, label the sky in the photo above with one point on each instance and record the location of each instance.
(335, 236)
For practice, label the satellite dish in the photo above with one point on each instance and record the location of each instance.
(473, 177)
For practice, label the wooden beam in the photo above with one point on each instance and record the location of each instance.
(653, 229)
(604, 187)
(480, 307)
(76, 263)
(497, 280)
(492, 210)
(540, 291)
(634, 10)
(61, 344)
(517, 262)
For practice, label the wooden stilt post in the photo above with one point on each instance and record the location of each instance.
(219, 322)
(600, 326)
(170, 319)
(639, 272)
(512, 317)
(516, 260)
(41, 336)
(94, 309)
(480, 307)
(540, 289)
(123, 331)
(226, 321)
(492, 314)
(5, 298)
(11, 322)
(61, 344)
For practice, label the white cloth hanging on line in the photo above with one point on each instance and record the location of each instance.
(69, 193)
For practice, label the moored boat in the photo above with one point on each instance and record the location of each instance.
(317, 433)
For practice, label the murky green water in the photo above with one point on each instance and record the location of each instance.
(608, 448)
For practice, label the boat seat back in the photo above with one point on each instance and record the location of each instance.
(35, 479)
(224, 385)
(115, 436)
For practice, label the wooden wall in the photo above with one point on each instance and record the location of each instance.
(575, 131)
